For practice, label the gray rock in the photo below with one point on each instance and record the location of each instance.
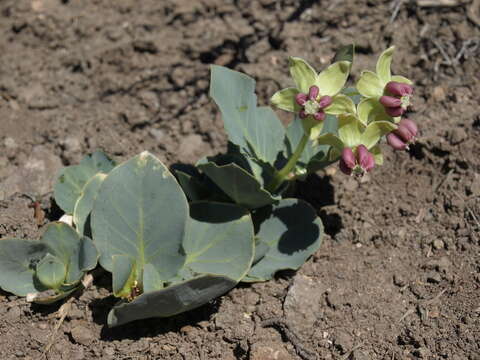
(269, 351)
(36, 176)
(82, 335)
(302, 303)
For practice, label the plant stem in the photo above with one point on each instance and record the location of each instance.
(282, 174)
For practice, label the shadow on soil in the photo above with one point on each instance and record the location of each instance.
(320, 193)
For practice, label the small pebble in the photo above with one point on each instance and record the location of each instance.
(438, 244)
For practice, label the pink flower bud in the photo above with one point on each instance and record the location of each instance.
(394, 111)
(302, 114)
(410, 125)
(395, 142)
(398, 89)
(344, 168)
(325, 101)
(365, 158)
(319, 116)
(347, 161)
(390, 101)
(403, 133)
(348, 158)
(313, 92)
(301, 99)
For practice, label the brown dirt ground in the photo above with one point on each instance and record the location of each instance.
(398, 274)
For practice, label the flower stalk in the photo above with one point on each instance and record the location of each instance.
(282, 174)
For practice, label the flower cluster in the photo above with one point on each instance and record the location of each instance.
(364, 114)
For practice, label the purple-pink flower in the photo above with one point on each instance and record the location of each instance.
(359, 163)
(313, 104)
(404, 135)
(397, 99)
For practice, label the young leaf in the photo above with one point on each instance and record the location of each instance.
(141, 211)
(172, 300)
(257, 131)
(65, 244)
(51, 271)
(70, 180)
(292, 232)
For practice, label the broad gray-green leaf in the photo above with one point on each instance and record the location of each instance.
(87, 255)
(151, 279)
(191, 186)
(141, 211)
(238, 184)
(71, 180)
(172, 300)
(51, 271)
(18, 258)
(219, 240)
(292, 232)
(258, 131)
(84, 204)
(123, 275)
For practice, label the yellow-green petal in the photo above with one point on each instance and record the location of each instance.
(331, 80)
(285, 100)
(350, 130)
(375, 131)
(370, 109)
(370, 85)
(401, 79)
(330, 139)
(383, 65)
(341, 104)
(302, 73)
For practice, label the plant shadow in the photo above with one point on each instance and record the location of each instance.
(320, 193)
(148, 327)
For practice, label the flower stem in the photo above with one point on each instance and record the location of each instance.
(281, 175)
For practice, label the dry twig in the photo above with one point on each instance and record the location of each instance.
(63, 311)
(285, 329)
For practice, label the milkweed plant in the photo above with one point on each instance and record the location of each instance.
(174, 239)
